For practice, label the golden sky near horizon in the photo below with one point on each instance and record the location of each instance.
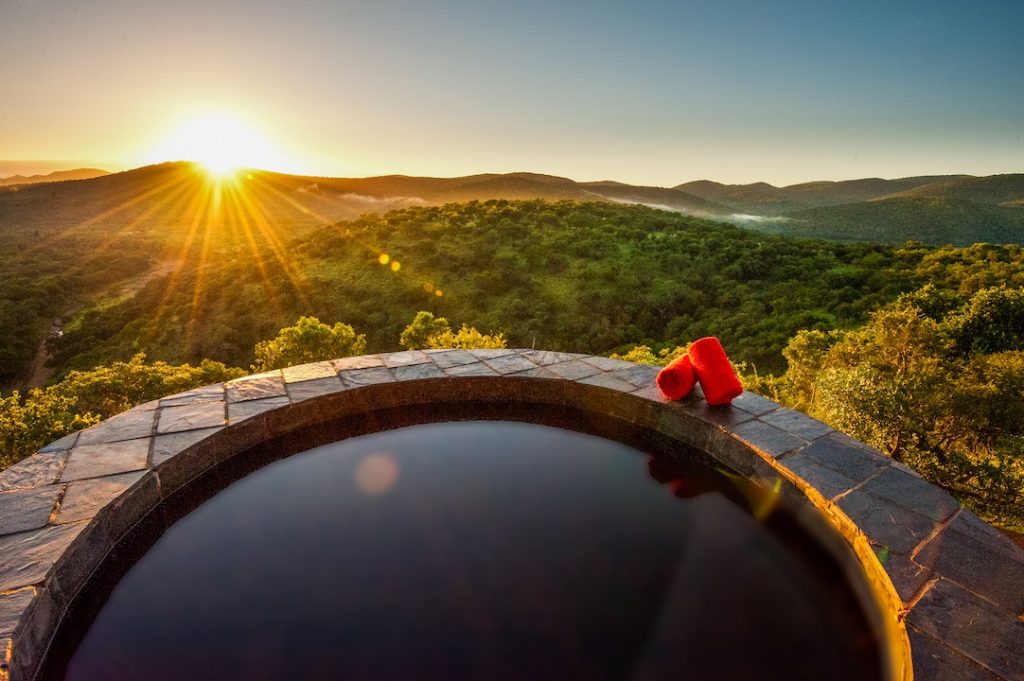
(659, 94)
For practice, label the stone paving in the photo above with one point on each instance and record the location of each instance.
(952, 586)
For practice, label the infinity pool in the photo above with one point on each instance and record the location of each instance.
(477, 550)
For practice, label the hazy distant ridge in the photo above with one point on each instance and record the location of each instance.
(57, 176)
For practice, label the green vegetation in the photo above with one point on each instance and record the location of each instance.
(84, 398)
(427, 331)
(309, 340)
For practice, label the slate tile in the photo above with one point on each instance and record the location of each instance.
(451, 358)
(573, 369)
(545, 357)
(607, 363)
(854, 462)
(304, 390)
(538, 372)
(63, 444)
(827, 481)
(767, 438)
(355, 378)
(476, 369)
(979, 630)
(12, 605)
(606, 380)
(240, 411)
(210, 393)
(935, 661)
(414, 372)
(129, 425)
(796, 423)
(913, 493)
(307, 372)
(401, 359)
(884, 522)
(753, 403)
(639, 375)
(167, 446)
(27, 509)
(906, 576)
(26, 557)
(255, 388)
(96, 461)
(966, 522)
(490, 353)
(972, 564)
(208, 414)
(43, 468)
(84, 498)
(361, 362)
(507, 364)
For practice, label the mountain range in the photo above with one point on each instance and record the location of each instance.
(56, 176)
(941, 209)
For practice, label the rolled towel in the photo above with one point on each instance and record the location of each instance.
(717, 378)
(677, 379)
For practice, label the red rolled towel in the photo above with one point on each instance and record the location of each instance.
(717, 378)
(677, 379)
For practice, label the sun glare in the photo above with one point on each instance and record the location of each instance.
(220, 144)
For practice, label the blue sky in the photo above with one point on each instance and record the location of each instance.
(657, 93)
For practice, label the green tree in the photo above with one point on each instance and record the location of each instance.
(466, 338)
(309, 340)
(422, 327)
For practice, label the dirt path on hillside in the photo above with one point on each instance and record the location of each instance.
(38, 373)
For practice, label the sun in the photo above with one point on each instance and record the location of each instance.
(220, 144)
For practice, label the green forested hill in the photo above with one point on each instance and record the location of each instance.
(585, 277)
(933, 220)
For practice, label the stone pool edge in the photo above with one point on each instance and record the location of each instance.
(953, 585)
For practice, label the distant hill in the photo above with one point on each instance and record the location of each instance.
(761, 198)
(1003, 190)
(58, 176)
(932, 220)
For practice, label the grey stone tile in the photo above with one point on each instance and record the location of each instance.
(401, 359)
(767, 438)
(210, 393)
(855, 463)
(40, 469)
(639, 375)
(798, 424)
(355, 378)
(723, 415)
(972, 564)
(451, 358)
(240, 411)
(508, 364)
(606, 380)
(935, 661)
(545, 357)
(982, 632)
(884, 522)
(251, 388)
(652, 393)
(913, 493)
(573, 369)
(304, 390)
(539, 372)
(753, 403)
(129, 425)
(825, 480)
(489, 353)
(607, 363)
(476, 369)
(207, 414)
(96, 461)
(414, 372)
(27, 509)
(26, 557)
(307, 372)
(84, 498)
(12, 605)
(906, 576)
(361, 362)
(63, 444)
(967, 523)
(167, 446)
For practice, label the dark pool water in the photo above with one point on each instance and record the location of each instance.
(475, 550)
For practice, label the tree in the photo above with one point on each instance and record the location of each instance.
(466, 338)
(310, 340)
(422, 327)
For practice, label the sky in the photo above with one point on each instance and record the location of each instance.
(652, 93)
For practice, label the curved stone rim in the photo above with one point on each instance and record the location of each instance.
(949, 581)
